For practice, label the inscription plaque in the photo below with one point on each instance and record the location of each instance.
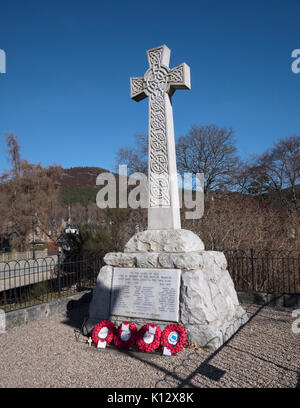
(146, 293)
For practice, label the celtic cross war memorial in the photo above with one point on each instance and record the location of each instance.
(165, 275)
(159, 84)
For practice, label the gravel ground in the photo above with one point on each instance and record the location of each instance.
(46, 353)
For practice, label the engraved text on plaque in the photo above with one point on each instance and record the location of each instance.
(146, 293)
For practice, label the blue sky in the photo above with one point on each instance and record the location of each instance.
(66, 91)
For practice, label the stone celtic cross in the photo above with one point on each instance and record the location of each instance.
(159, 83)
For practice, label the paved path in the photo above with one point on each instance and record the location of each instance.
(45, 353)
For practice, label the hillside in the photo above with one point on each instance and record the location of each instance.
(78, 185)
(80, 176)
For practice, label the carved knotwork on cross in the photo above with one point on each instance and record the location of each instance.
(159, 83)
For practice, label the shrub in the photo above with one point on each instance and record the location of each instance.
(40, 247)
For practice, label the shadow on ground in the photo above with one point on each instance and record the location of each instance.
(78, 310)
(77, 313)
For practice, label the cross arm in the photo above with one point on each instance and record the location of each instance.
(137, 87)
(179, 78)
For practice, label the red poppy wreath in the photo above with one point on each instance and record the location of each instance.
(148, 337)
(174, 338)
(103, 332)
(125, 335)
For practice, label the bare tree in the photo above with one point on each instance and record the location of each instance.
(250, 178)
(28, 197)
(276, 171)
(210, 150)
(205, 149)
(239, 221)
(135, 158)
(282, 167)
(13, 152)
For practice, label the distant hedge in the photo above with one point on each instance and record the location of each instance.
(40, 247)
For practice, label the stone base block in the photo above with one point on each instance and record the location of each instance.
(178, 240)
(209, 308)
(212, 337)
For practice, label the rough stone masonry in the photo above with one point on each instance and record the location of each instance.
(208, 306)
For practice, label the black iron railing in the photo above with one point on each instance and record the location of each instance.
(29, 282)
(25, 283)
(264, 270)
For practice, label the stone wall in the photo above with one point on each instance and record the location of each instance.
(28, 314)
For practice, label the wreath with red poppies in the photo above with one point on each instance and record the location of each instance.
(174, 337)
(147, 341)
(124, 344)
(110, 334)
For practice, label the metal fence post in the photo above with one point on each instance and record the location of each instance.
(58, 274)
(252, 268)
